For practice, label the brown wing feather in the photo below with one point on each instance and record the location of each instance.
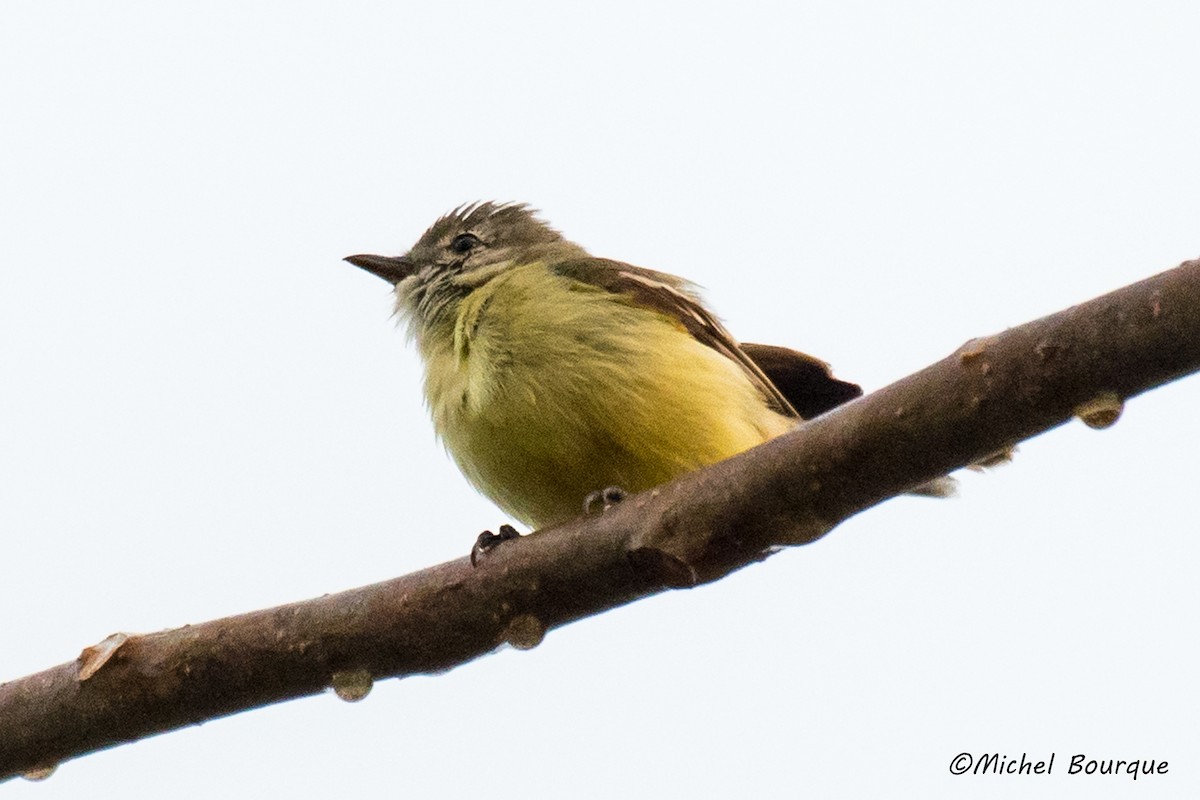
(805, 381)
(800, 386)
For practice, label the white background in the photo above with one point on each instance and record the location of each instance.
(204, 411)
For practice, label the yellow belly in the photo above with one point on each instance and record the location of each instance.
(552, 389)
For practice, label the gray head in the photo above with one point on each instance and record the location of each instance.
(468, 239)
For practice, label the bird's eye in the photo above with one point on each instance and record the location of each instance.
(465, 243)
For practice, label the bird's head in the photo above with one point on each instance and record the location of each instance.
(468, 241)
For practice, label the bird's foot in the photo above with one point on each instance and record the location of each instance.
(605, 498)
(488, 541)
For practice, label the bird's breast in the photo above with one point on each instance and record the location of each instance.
(545, 391)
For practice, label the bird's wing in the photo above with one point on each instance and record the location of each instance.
(805, 381)
(674, 297)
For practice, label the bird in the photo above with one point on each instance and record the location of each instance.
(550, 372)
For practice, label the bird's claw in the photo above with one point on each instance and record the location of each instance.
(606, 498)
(488, 541)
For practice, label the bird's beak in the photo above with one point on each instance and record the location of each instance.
(392, 269)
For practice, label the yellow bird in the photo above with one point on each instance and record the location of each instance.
(551, 373)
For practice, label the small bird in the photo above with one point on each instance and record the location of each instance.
(550, 373)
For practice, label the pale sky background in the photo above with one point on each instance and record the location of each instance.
(203, 411)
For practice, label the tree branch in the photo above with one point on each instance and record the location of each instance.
(987, 396)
